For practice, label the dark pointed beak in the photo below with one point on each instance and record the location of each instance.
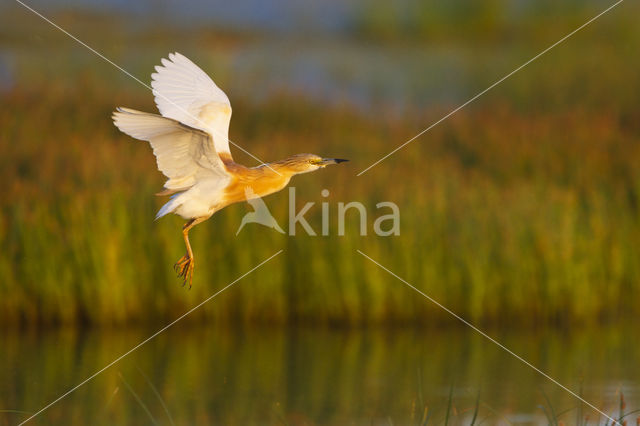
(327, 161)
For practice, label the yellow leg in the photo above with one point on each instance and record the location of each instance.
(186, 264)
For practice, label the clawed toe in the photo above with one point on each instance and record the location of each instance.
(184, 268)
(179, 265)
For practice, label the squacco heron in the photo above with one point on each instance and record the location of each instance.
(191, 144)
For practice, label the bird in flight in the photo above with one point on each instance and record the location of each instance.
(190, 141)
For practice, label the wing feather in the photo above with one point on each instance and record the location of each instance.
(184, 154)
(185, 93)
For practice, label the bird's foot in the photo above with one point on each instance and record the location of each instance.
(184, 268)
(178, 266)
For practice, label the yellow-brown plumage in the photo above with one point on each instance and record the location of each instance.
(268, 178)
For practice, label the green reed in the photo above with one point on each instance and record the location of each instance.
(506, 215)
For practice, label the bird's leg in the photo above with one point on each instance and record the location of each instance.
(178, 266)
(185, 265)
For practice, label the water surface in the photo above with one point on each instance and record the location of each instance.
(207, 375)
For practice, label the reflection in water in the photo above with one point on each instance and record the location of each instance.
(309, 376)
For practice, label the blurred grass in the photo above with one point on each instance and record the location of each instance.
(522, 209)
(504, 216)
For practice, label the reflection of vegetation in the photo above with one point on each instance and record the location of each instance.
(205, 375)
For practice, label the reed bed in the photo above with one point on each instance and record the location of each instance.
(506, 215)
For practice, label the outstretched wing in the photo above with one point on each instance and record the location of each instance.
(184, 154)
(185, 93)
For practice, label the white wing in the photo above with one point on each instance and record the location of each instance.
(184, 154)
(185, 93)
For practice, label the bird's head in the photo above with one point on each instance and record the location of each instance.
(304, 163)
